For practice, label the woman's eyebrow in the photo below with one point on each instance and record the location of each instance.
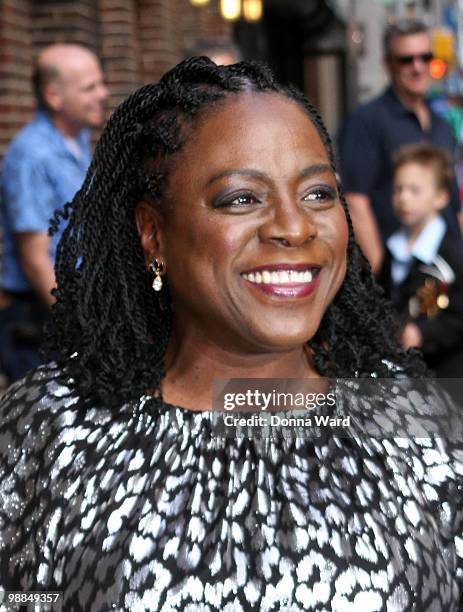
(241, 172)
(257, 174)
(316, 169)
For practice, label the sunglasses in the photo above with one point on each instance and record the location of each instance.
(405, 60)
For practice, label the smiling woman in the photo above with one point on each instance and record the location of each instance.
(247, 219)
(216, 188)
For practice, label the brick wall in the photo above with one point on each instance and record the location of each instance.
(137, 40)
(53, 21)
(16, 102)
(119, 48)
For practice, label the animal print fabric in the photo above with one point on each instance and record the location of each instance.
(145, 510)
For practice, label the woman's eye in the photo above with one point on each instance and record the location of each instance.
(320, 194)
(238, 199)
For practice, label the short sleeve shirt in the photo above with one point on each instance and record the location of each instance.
(40, 174)
(368, 142)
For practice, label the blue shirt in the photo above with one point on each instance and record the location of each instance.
(425, 248)
(368, 141)
(41, 172)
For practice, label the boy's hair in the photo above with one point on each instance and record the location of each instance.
(426, 155)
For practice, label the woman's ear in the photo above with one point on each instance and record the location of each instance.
(149, 226)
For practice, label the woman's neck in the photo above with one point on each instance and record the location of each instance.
(193, 365)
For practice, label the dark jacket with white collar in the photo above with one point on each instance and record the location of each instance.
(417, 299)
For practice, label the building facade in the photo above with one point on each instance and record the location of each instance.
(137, 41)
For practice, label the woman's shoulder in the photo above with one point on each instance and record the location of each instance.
(31, 410)
(44, 389)
(29, 414)
(422, 418)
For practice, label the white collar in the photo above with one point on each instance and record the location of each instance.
(426, 245)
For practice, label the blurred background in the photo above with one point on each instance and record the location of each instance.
(329, 48)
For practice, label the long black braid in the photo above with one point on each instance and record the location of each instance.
(108, 326)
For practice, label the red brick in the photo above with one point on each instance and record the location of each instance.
(137, 41)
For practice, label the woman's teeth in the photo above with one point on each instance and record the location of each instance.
(279, 277)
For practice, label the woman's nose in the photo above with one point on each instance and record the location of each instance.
(289, 225)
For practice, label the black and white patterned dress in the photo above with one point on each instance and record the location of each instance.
(146, 510)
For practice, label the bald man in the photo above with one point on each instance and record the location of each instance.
(43, 167)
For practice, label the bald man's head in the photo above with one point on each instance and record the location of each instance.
(68, 84)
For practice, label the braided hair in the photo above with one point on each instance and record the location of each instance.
(108, 327)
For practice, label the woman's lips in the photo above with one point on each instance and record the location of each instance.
(284, 281)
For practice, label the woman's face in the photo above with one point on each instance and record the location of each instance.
(255, 237)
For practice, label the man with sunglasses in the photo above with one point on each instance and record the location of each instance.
(368, 140)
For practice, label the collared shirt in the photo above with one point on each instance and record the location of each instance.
(424, 249)
(368, 142)
(40, 174)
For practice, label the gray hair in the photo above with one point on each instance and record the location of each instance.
(402, 27)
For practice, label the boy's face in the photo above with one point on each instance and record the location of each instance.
(417, 197)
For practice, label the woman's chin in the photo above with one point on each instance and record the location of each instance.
(286, 339)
